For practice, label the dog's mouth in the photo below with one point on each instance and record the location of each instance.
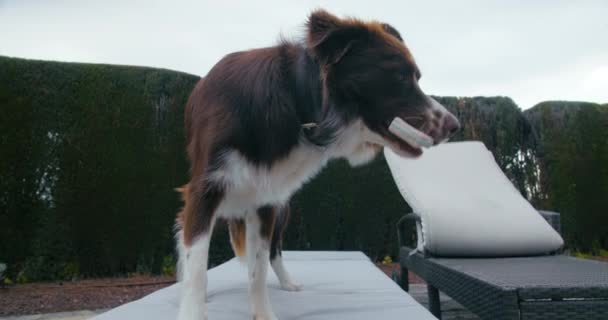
(402, 147)
(406, 139)
(402, 137)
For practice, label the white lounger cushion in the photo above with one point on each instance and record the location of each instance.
(337, 285)
(468, 207)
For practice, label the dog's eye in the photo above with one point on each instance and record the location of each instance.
(402, 77)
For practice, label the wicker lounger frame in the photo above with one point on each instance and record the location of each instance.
(545, 287)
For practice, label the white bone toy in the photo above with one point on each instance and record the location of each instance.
(409, 134)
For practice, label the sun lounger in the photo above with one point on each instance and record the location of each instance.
(474, 237)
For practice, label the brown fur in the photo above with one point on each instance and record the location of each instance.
(184, 194)
(263, 121)
(256, 102)
(255, 107)
(267, 216)
(238, 233)
(236, 227)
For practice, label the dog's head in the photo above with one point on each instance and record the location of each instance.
(369, 74)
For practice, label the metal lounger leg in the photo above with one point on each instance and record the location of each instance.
(434, 303)
(405, 281)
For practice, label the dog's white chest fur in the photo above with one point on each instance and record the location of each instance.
(249, 186)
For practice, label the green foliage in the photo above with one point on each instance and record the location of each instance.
(22, 278)
(574, 140)
(71, 270)
(581, 255)
(387, 259)
(168, 267)
(346, 208)
(91, 154)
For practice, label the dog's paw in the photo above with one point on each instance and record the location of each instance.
(270, 317)
(192, 316)
(192, 311)
(291, 286)
(267, 315)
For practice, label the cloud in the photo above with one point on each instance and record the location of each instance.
(529, 50)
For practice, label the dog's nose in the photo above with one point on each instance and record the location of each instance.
(451, 126)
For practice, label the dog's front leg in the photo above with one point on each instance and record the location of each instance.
(276, 252)
(260, 226)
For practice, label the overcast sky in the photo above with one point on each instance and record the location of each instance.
(528, 50)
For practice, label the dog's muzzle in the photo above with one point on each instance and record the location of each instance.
(441, 124)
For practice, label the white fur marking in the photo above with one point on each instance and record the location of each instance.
(181, 254)
(436, 106)
(436, 121)
(258, 253)
(284, 278)
(194, 278)
(249, 186)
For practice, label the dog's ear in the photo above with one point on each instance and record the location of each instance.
(330, 38)
(320, 24)
(391, 30)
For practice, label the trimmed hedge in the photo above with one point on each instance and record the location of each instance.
(91, 154)
(573, 162)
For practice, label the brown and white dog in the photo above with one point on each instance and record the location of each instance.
(264, 121)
